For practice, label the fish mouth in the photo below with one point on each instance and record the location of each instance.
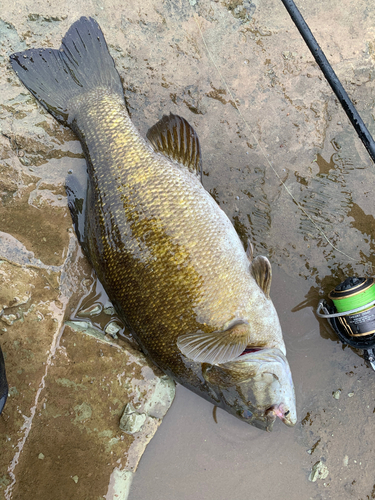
(279, 411)
(284, 408)
(267, 421)
(249, 350)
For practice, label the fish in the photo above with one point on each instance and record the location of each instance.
(167, 255)
(3, 383)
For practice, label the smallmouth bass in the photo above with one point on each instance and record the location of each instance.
(168, 257)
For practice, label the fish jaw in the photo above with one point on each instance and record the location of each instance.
(257, 388)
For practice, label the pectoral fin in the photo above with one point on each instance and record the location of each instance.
(262, 272)
(217, 347)
(176, 139)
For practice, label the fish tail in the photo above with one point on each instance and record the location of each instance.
(58, 79)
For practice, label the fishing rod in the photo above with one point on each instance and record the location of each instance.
(331, 77)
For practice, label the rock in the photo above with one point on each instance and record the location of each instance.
(120, 483)
(86, 377)
(318, 471)
(153, 398)
(9, 319)
(109, 309)
(93, 310)
(112, 329)
(159, 397)
(132, 421)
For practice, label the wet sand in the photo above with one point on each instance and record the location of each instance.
(301, 129)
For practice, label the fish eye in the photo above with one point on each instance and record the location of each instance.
(286, 413)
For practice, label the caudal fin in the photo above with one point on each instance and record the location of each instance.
(57, 77)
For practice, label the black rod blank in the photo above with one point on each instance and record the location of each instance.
(331, 77)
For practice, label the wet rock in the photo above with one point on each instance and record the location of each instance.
(87, 328)
(9, 319)
(109, 309)
(112, 329)
(120, 482)
(318, 471)
(132, 421)
(93, 310)
(159, 397)
(337, 394)
(81, 402)
(152, 401)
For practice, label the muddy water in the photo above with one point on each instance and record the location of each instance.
(305, 135)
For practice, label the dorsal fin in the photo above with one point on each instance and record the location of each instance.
(176, 139)
(216, 347)
(262, 271)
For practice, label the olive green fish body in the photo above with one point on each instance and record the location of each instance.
(167, 255)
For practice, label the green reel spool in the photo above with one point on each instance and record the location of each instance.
(352, 315)
(353, 293)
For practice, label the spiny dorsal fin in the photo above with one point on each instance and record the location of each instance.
(175, 138)
(216, 347)
(249, 250)
(262, 271)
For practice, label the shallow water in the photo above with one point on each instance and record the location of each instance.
(312, 147)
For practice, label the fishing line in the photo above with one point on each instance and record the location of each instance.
(317, 227)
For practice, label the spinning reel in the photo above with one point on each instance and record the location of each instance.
(352, 315)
